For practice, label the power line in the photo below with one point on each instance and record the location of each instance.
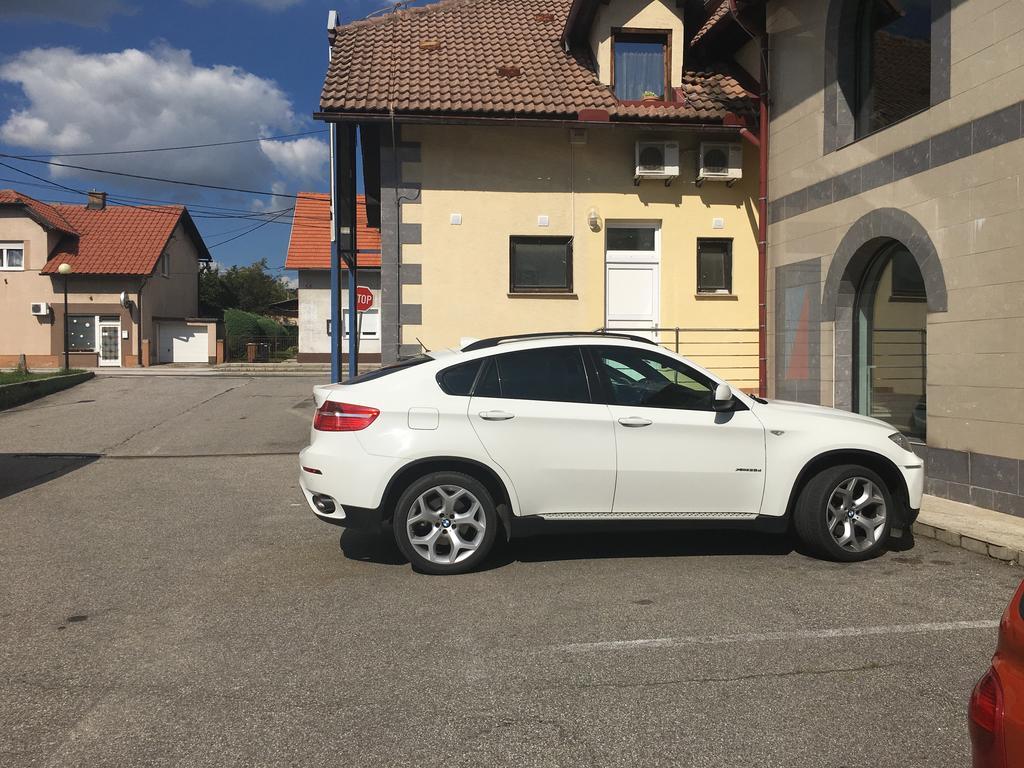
(243, 234)
(172, 149)
(197, 210)
(155, 210)
(149, 178)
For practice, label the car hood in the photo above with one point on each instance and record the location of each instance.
(785, 408)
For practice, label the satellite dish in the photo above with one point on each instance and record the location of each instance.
(125, 301)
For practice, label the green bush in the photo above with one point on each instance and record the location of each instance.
(239, 324)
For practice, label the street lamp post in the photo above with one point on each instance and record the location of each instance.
(65, 270)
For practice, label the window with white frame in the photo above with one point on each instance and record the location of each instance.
(164, 265)
(12, 256)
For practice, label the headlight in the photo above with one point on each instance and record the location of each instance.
(901, 440)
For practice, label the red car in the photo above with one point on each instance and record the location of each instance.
(995, 716)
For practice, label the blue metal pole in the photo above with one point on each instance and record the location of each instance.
(336, 319)
(353, 325)
(336, 322)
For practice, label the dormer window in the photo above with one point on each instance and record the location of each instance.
(640, 63)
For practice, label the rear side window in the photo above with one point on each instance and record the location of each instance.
(555, 374)
(458, 380)
(390, 368)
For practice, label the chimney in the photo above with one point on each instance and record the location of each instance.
(97, 201)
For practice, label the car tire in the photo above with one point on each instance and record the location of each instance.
(844, 513)
(445, 523)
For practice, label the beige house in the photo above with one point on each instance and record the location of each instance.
(896, 277)
(540, 165)
(132, 289)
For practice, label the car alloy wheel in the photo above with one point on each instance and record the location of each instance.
(856, 514)
(446, 524)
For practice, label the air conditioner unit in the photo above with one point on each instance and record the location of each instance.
(657, 160)
(40, 308)
(720, 162)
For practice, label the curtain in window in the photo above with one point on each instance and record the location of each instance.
(639, 67)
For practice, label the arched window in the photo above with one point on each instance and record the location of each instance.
(893, 61)
(886, 60)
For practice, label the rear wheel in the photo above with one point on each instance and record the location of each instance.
(844, 513)
(445, 523)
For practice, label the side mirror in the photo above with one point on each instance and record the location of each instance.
(723, 397)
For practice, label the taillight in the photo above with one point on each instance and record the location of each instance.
(985, 722)
(343, 417)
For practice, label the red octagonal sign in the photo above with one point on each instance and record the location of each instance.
(364, 298)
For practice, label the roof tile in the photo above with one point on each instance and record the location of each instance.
(382, 63)
(309, 246)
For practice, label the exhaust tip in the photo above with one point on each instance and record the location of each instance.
(324, 504)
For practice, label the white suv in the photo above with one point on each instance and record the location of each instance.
(456, 448)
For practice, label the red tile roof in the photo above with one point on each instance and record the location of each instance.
(115, 240)
(497, 58)
(309, 246)
(716, 16)
(44, 214)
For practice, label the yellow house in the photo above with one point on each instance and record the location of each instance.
(540, 165)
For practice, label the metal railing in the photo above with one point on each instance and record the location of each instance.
(731, 353)
(260, 349)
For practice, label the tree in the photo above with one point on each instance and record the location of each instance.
(249, 288)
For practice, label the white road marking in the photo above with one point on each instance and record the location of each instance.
(761, 637)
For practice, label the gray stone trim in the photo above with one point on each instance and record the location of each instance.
(412, 274)
(395, 193)
(992, 482)
(409, 350)
(851, 261)
(986, 132)
(859, 246)
(412, 234)
(411, 314)
(801, 282)
(942, 43)
(409, 151)
(840, 50)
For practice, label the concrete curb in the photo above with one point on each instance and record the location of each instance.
(25, 391)
(982, 531)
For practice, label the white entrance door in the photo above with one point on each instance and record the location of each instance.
(633, 277)
(110, 342)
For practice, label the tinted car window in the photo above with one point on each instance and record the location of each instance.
(555, 373)
(388, 369)
(458, 380)
(649, 379)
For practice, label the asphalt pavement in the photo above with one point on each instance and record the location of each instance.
(167, 599)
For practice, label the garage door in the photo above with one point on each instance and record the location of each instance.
(183, 343)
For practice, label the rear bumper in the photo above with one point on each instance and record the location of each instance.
(353, 482)
(346, 516)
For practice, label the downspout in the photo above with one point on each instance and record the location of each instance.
(138, 332)
(761, 142)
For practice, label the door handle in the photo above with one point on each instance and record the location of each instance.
(496, 415)
(635, 421)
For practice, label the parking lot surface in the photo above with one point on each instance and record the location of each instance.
(166, 598)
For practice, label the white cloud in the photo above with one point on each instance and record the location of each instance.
(290, 281)
(84, 13)
(304, 158)
(132, 99)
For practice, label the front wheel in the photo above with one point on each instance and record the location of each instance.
(844, 513)
(445, 523)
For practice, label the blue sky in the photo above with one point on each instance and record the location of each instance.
(111, 75)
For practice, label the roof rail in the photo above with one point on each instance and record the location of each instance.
(496, 340)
